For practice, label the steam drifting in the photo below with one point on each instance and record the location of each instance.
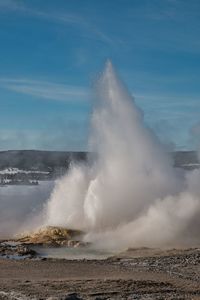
(129, 194)
(21, 207)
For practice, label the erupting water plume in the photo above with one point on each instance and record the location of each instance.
(129, 194)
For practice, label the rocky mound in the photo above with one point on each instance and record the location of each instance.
(53, 236)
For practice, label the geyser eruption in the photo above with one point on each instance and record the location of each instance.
(129, 194)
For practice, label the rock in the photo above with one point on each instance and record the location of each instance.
(24, 250)
(51, 236)
(72, 296)
(16, 250)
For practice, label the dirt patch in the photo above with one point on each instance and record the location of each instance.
(172, 274)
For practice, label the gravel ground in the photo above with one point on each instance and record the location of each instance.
(135, 274)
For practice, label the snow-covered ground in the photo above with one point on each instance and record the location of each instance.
(12, 171)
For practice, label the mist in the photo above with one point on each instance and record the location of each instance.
(21, 208)
(129, 194)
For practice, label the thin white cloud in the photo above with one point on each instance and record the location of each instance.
(88, 28)
(10, 4)
(45, 89)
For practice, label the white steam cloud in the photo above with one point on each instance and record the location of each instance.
(129, 194)
(21, 207)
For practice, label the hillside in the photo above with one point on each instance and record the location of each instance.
(38, 160)
(31, 166)
(49, 160)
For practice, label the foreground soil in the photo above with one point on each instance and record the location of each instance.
(134, 274)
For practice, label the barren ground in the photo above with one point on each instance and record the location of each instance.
(134, 274)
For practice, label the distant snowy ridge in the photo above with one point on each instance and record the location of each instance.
(12, 171)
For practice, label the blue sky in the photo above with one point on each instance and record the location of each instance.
(51, 52)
